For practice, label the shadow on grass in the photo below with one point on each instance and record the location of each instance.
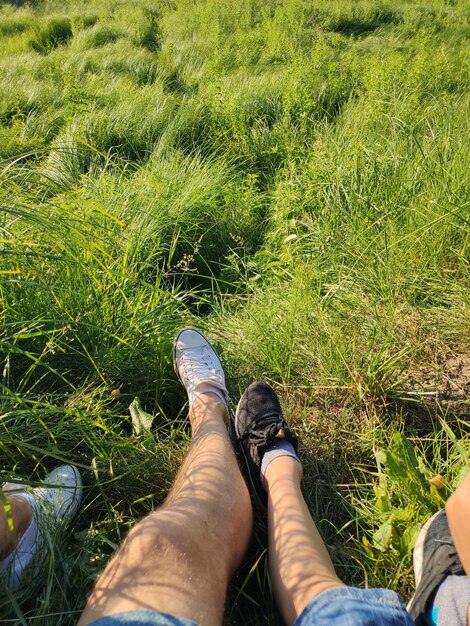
(356, 26)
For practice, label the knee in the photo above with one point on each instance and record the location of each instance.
(158, 539)
(154, 537)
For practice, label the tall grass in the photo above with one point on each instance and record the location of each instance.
(292, 178)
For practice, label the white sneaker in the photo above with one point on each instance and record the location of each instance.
(197, 365)
(51, 504)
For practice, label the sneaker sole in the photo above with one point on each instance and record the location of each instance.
(418, 552)
(236, 418)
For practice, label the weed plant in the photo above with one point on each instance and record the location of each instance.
(291, 177)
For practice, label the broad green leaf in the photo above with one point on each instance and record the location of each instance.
(141, 421)
(383, 535)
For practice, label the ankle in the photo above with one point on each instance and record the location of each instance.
(21, 516)
(208, 407)
(24, 512)
(283, 468)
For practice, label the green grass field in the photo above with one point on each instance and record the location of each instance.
(292, 177)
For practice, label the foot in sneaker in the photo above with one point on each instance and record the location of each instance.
(434, 557)
(51, 504)
(197, 365)
(263, 435)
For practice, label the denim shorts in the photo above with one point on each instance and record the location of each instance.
(350, 606)
(142, 618)
(344, 606)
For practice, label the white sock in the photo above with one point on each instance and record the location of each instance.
(280, 448)
(209, 387)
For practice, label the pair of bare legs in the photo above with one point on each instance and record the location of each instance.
(179, 559)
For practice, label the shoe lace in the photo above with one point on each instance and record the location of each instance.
(262, 433)
(196, 369)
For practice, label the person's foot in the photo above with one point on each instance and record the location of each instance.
(434, 557)
(262, 432)
(52, 504)
(197, 365)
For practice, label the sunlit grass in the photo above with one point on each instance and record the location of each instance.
(292, 178)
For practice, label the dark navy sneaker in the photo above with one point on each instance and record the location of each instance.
(434, 557)
(259, 424)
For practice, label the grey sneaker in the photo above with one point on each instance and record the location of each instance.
(52, 504)
(196, 362)
(434, 557)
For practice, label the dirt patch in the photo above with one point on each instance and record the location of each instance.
(446, 384)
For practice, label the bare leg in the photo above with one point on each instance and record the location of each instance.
(20, 515)
(299, 562)
(179, 559)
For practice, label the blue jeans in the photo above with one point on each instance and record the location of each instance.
(142, 618)
(350, 606)
(345, 606)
